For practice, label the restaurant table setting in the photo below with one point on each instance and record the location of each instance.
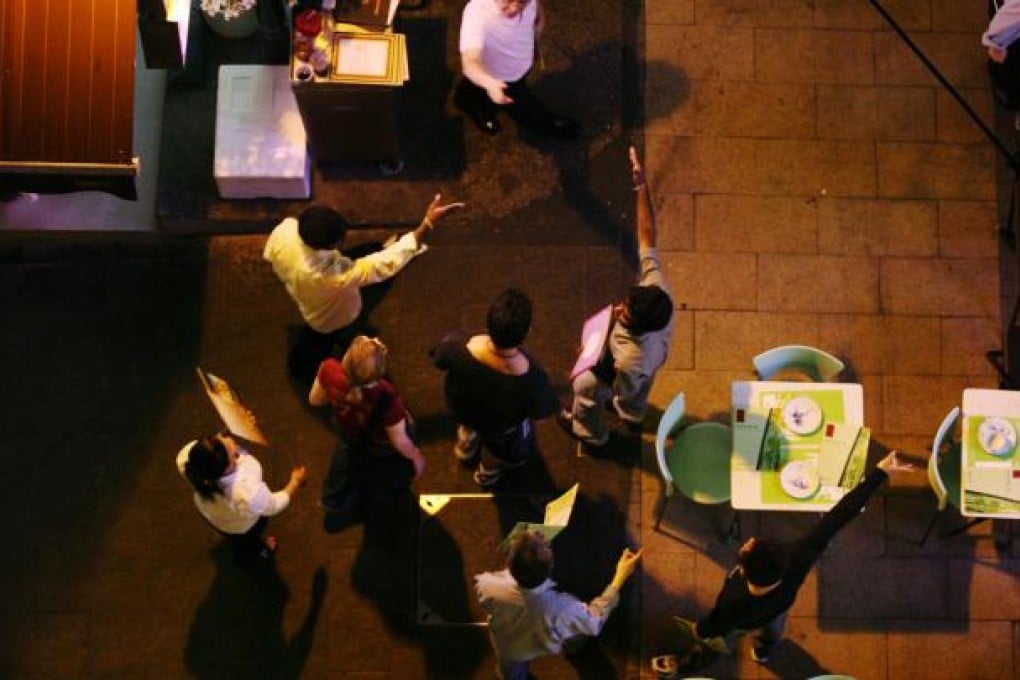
(796, 446)
(991, 467)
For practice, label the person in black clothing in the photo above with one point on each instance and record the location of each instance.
(494, 389)
(760, 590)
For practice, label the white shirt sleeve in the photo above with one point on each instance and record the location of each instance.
(1004, 28)
(472, 28)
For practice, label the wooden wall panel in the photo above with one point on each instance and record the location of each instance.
(67, 81)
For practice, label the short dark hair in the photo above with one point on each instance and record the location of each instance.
(321, 227)
(764, 563)
(207, 461)
(530, 561)
(650, 307)
(509, 319)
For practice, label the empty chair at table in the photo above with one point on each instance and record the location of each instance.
(697, 462)
(944, 469)
(817, 364)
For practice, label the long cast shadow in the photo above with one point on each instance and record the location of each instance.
(238, 629)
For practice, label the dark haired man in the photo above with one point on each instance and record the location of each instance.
(637, 343)
(494, 389)
(760, 590)
(528, 617)
(326, 284)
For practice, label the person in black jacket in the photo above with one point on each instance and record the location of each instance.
(758, 593)
(494, 389)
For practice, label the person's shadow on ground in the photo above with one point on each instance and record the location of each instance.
(385, 572)
(603, 140)
(238, 629)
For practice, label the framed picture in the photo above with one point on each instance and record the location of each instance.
(365, 58)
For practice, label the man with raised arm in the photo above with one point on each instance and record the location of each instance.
(637, 342)
(758, 593)
(528, 617)
(325, 283)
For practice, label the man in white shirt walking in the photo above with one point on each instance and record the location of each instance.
(497, 49)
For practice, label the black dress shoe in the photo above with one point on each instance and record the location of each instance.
(486, 124)
(562, 127)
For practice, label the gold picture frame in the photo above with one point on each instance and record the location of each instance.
(369, 58)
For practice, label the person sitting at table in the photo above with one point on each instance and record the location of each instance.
(758, 593)
(637, 343)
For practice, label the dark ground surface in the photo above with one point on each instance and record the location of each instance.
(109, 571)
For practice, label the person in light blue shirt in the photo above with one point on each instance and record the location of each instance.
(528, 617)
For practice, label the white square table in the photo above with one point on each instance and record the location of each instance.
(989, 483)
(754, 489)
(261, 148)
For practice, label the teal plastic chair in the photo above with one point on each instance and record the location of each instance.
(698, 460)
(817, 364)
(944, 471)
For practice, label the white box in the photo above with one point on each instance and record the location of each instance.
(261, 150)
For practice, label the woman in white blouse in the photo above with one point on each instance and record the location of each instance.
(230, 493)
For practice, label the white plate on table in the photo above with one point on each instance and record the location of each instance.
(802, 415)
(799, 479)
(997, 436)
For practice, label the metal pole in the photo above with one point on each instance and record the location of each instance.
(1010, 157)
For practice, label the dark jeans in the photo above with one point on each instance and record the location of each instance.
(509, 448)
(526, 109)
(358, 467)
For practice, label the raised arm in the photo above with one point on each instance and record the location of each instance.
(643, 198)
(850, 506)
(433, 213)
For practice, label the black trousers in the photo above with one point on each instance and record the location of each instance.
(248, 546)
(526, 109)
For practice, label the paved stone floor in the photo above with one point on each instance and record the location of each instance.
(813, 185)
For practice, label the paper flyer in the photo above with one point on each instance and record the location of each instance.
(557, 515)
(238, 419)
(593, 339)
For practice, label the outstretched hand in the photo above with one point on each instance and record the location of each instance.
(435, 211)
(891, 463)
(637, 172)
(626, 565)
(298, 475)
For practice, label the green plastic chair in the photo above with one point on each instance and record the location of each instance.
(944, 470)
(698, 460)
(817, 364)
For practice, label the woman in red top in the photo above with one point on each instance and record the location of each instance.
(370, 417)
